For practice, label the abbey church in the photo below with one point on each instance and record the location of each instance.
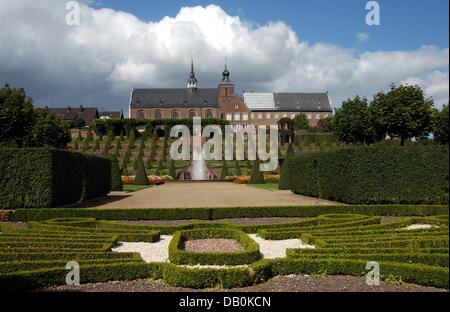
(222, 102)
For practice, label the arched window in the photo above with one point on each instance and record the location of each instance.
(191, 114)
(174, 114)
(141, 115)
(158, 114)
(209, 114)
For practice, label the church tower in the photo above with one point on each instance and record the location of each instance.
(192, 81)
(226, 88)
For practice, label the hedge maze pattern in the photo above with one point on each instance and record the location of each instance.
(35, 257)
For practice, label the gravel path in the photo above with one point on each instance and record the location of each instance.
(288, 283)
(418, 226)
(203, 194)
(211, 245)
(271, 249)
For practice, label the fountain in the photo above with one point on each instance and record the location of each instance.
(198, 165)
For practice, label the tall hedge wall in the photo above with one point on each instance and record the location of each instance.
(374, 175)
(46, 177)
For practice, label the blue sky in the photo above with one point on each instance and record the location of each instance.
(405, 25)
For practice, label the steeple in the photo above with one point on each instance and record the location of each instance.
(226, 76)
(192, 81)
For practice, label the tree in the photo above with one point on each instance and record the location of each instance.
(118, 144)
(237, 167)
(97, 145)
(224, 171)
(80, 137)
(441, 125)
(131, 139)
(141, 176)
(75, 145)
(121, 136)
(16, 116)
(402, 113)
(257, 176)
(154, 145)
(352, 124)
(124, 167)
(89, 136)
(47, 130)
(326, 124)
(85, 146)
(301, 122)
(165, 144)
(135, 164)
(148, 164)
(172, 171)
(116, 178)
(160, 165)
(285, 182)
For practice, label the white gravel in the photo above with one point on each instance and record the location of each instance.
(159, 251)
(418, 226)
(271, 249)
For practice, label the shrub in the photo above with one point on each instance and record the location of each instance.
(257, 176)
(224, 171)
(172, 171)
(116, 179)
(374, 175)
(46, 177)
(284, 183)
(141, 176)
(237, 168)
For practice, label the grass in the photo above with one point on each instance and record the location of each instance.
(131, 187)
(267, 186)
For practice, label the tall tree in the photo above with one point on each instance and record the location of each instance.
(352, 124)
(47, 130)
(257, 176)
(441, 125)
(402, 113)
(301, 122)
(116, 178)
(326, 124)
(141, 176)
(172, 171)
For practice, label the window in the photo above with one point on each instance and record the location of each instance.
(157, 114)
(275, 115)
(141, 115)
(236, 106)
(208, 114)
(237, 116)
(317, 116)
(259, 116)
(284, 115)
(244, 126)
(191, 114)
(228, 116)
(252, 116)
(292, 115)
(268, 115)
(236, 127)
(309, 115)
(174, 114)
(244, 116)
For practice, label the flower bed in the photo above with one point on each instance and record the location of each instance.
(153, 180)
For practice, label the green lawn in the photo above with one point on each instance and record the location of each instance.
(132, 187)
(267, 186)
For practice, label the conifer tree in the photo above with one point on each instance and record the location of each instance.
(118, 144)
(75, 145)
(172, 171)
(237, 167)
(285, 183)
(131, 139)
(89, 136)
(160, 165)
(224, 171)
(148, 164)
(154, 145)
(116, 177)
(257, 176)
(96, 146)
(124, 167)
(135, 164)
(121, 135)
(80, 137)
(141, 176)
(85, 146)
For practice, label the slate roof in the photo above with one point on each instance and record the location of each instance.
(319, 102)
(174, 98)
(70, 113)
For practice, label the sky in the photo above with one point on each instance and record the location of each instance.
(270, 46)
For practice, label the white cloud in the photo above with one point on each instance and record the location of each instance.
(98, 62)
(362, 37)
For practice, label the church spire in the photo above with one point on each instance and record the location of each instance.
(192, 81)
(226, 75)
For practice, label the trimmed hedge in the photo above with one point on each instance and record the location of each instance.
(248, 255)
(374, 175)
(47, 177)
(225, 212)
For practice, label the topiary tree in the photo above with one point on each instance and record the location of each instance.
(224, 171)
(135, 164)
(249, 164)
(141, 151)
(148, 164)
(124, 167)
(256, 176)
(75, 145)
(237, 168)
(172, 171)
(89, 136)
(121, 135)
(154, 145)
(116, 177)
(131, 139)
(141, 176)
(85, 146)
(142, 146)
(97, 145)
(285, 183)
(160, 165)
(118, 144)
(80, 137)
(165, 144)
